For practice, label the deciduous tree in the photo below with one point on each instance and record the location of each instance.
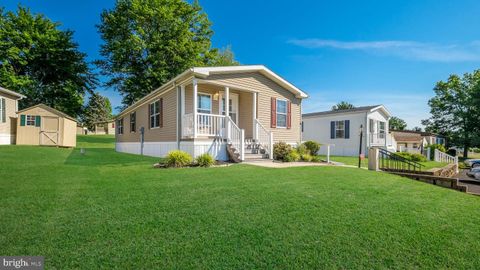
(342, 105)
(397, 123)
(148, 42)
(455, 109)
(41, 61)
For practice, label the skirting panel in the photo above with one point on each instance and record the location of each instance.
(160, 149)
(6, 139)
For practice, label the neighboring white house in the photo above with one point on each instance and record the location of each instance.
(341, 129)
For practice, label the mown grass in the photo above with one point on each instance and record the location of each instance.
(111, 210)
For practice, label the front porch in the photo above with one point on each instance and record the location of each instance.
(203, 117)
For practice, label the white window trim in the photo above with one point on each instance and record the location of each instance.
(211, 102)
(336, 128)
(277, 113)
(120, 125)
(150, 116)
(34, 120)
(3, 101)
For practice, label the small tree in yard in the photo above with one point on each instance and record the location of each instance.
(98, 109)
(455, 110)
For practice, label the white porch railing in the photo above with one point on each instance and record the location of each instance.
(440, 156)
(377, 138)
(236, 137)
(210, 124)
(265, 138)
(207, 125)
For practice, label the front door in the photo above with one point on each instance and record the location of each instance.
(233, 104)
(49, 131)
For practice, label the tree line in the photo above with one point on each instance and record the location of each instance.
(145, 44)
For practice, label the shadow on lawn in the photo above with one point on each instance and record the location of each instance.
(104, 156)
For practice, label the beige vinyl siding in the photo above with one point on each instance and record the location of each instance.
(8, 127)
(166, 133)
(266, 90)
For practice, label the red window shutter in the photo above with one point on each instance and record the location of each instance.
(289, 115)
(161, 112)
(273, 121)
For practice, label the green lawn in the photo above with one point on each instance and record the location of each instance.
(111, 210)
(364, 163)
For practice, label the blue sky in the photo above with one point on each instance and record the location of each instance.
(375, 52)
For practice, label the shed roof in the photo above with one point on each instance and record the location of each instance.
(50, 109)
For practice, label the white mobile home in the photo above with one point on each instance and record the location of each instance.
(341, 129)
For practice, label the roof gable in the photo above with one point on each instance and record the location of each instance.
(207, 71)
(50, 109)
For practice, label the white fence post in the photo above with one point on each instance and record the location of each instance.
(328, 153)
(242, 145)
(271, 145)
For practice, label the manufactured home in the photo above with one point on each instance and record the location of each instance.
(341, 130)
(8, 115)
(206, 109)
(43, 125)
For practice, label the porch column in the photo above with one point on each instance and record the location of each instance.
(195, 97)
(254, 108)
(227, 110)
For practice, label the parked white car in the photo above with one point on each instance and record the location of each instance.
(472, 162)
(474, 173)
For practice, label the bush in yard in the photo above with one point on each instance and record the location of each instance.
(306, 157)
(412, 157)
(281, 150)
(476, 150)
(316, 159)
(205, 160)
(432, 148)
(303, 150)
(418, 158)
(312, 146)
(292, 156)
(178, 159)
(452, 152)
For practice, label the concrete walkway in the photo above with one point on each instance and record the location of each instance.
(277, 164)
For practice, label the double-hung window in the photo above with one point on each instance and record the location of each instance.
(30, 120)
(120, 126)
(381, 130)
(340, 129)
(155, 114)
(204, 103)
(281, 113)
(3, 116)
(133, 122)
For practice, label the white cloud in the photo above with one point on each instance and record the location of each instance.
(405, 49)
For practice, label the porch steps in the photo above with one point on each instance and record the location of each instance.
(251, 152)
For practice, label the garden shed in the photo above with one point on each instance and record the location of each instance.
(43, 125)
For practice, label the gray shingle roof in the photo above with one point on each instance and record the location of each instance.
(357, 109)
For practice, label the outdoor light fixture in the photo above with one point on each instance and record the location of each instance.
(215, 96)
